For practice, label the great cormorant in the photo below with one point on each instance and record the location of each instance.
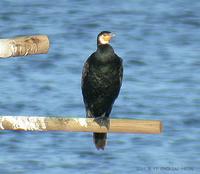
(101, 82)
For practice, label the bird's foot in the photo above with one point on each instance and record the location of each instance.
(102, 121)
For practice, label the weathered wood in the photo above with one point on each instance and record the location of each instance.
(23, 46)
(31, 123)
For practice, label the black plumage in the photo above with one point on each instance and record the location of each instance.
(101, 82)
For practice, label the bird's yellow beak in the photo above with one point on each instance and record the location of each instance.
(108, 37)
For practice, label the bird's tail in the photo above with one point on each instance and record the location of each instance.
(100, 140)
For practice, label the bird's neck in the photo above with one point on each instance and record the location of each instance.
(105, 52)
(104, 46)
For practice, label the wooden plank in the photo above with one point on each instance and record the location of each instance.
(32, 123)
(23, 46)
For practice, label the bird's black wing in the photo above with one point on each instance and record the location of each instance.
(84, 85)
(120, 70)
(84, 73)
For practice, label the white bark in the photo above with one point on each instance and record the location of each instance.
(23, 46)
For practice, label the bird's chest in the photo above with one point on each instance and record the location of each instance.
(103, 76)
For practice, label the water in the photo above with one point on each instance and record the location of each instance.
(159, 42)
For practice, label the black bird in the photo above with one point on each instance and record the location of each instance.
(101, 82)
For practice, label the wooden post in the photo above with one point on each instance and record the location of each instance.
(31, 123)
(23, 46)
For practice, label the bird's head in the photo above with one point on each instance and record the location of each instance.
(104, 37)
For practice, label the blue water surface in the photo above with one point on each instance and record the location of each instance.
(159, 43)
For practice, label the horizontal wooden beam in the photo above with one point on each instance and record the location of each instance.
(32, 123)
(23, 46)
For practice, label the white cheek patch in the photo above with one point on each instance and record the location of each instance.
(102, 41)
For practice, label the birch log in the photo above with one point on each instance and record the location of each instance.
(23, 46)
(30, 123)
